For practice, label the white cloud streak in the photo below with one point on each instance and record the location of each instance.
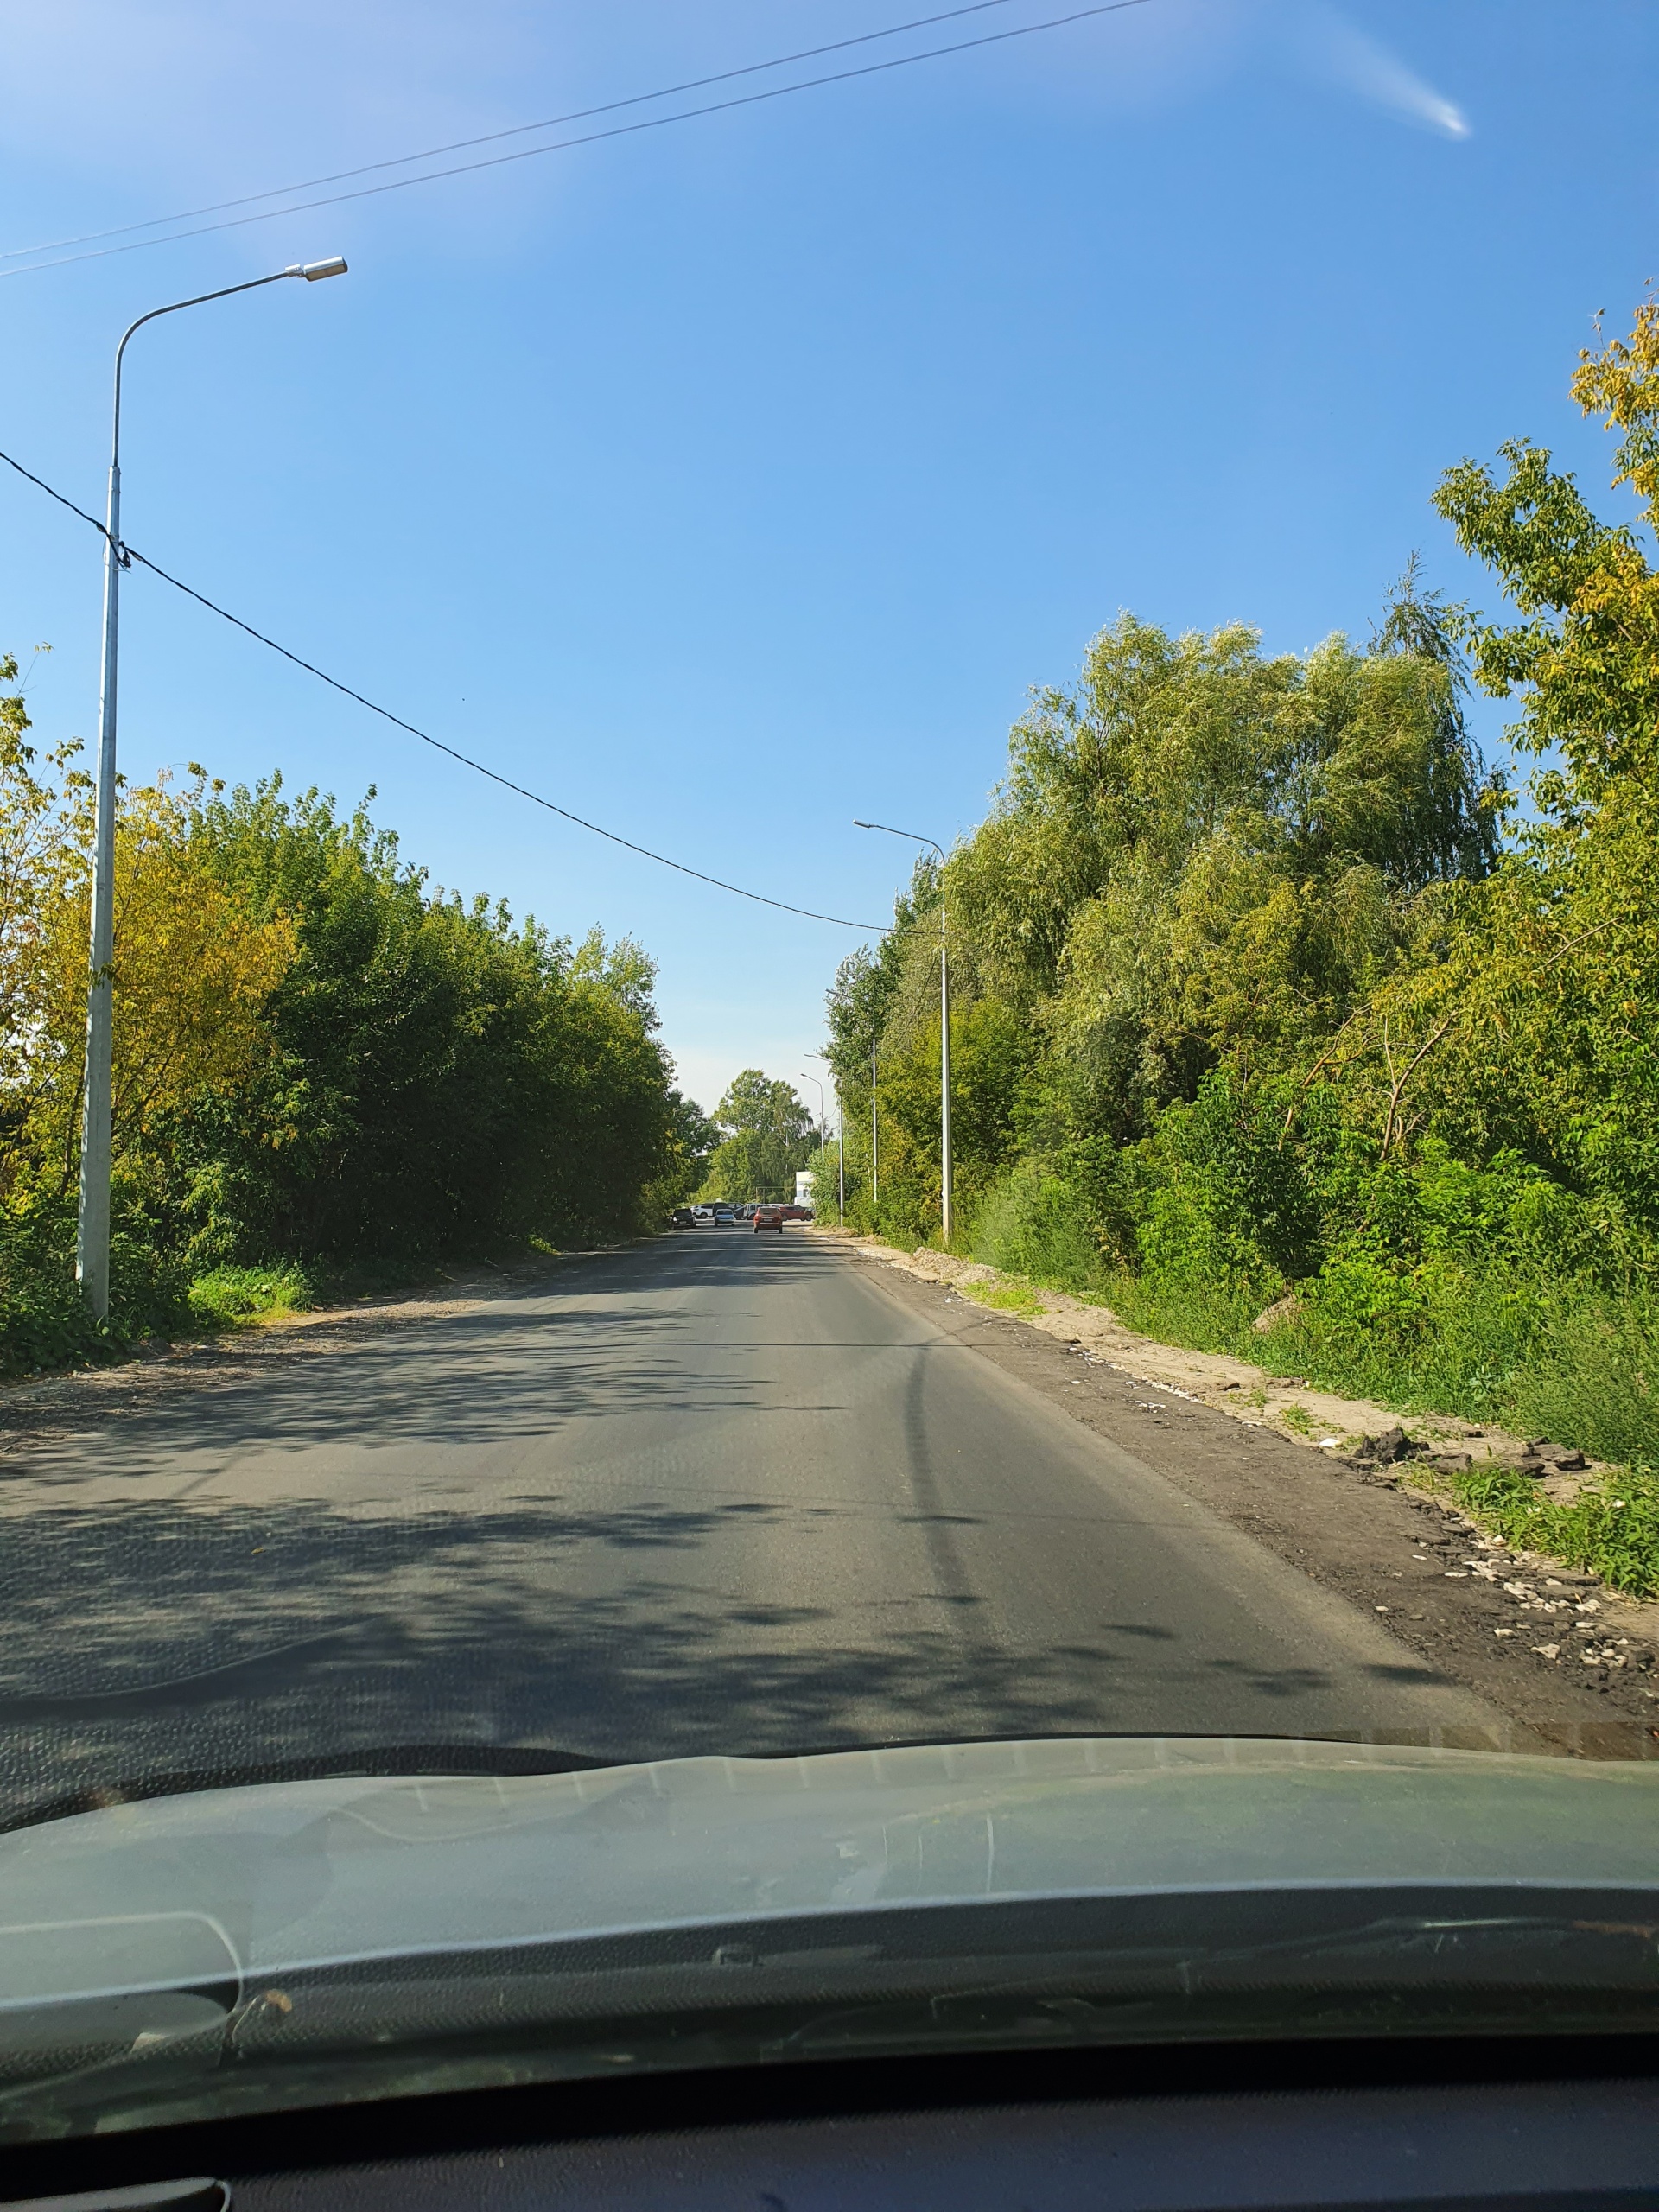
(1342, 52)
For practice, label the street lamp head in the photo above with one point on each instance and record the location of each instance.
(312, 271)
(864, 825)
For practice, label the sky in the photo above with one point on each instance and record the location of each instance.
(725, 481)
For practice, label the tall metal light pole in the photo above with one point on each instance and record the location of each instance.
(946, 1211)
(822, 1132)
(806, 1077)
(92, 1223)
(875, 1153)
(841, 1163)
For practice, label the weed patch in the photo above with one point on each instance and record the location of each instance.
(229, 1298)
(1613, 1532)
(1006, 1298)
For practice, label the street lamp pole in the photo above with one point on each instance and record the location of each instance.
(876, 1154)
(93, 1220)
(822, 1132)
(841, 1162)
(945, 1207)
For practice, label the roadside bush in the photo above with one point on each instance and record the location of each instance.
(1230, 1203)
(1592, 1379)
(45, 1322)
(1032, 1223)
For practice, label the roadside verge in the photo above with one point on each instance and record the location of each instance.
(1551, 1643)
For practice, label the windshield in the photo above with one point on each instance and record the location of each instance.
(992, 1087)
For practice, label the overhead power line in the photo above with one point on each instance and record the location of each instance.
(130, 553)
(587, 138)
(492, 137)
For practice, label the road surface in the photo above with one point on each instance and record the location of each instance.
(720, 1492)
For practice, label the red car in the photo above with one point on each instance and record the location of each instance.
(769, 1218)
(796, 1213)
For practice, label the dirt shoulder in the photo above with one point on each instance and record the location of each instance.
(1567, 1660)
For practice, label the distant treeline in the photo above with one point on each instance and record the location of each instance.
(759, 1135)
(1270, 994)
(323, 1067)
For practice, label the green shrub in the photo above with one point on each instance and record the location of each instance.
(1032, 1225)
(1227, 1196)
(45, 1322)
(226, 1296)
(1591, 1380)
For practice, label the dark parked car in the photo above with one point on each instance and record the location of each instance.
(682, 1218)
(769, 1218)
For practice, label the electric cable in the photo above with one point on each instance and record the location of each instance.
(130, 553)
(588, 138)
(491, 138)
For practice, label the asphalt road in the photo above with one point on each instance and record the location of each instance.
(721, 1492)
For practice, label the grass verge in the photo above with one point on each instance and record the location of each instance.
(1007, 1297)
(233, 1298)
(1614, 1533)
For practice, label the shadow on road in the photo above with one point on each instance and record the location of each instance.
(150, 1638)
(150, 1634)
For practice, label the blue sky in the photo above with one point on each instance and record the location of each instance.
(729, 480)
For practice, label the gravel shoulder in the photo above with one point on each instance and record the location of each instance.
(1548, 1645)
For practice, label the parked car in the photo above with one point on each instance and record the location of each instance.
(682, 1218)
(701, 1216)
(724, 1217)
(769, 1218)
(796, 1213)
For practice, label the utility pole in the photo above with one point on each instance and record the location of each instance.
(93, 1220)
(947, 1212)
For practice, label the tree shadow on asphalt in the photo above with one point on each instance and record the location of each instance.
(450, 1381)
(167, 1638)
(155, 1637)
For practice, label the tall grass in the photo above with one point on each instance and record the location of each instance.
(1032, 1225)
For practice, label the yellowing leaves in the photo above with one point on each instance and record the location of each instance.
(193, 965)
(1587, 655)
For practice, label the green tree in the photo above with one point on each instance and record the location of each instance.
(768, 1136)
(1550, 985)
(440, 1076)
(692, 1139)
